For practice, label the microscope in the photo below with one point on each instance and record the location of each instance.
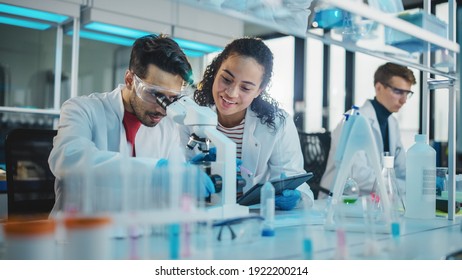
(184, 111)
(356, 135)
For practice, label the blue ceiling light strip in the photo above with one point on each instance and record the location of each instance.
(115, 30)
(104, 38)
(192, 53)
(191, 48)
(190, 45)
(24, 23)
(30, 13)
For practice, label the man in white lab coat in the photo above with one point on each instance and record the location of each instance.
(392, 84)
(106, 133)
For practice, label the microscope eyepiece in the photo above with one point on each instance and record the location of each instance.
(163, 100)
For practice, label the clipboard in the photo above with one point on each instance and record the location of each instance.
(252, 196)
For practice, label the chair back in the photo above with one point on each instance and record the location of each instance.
(30, 183)
(315, 149)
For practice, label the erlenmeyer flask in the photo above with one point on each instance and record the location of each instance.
(391, 185)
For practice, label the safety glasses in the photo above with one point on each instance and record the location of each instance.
(398, 91)
(152, 93)
(238, 230)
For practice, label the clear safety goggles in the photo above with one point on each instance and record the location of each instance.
(398, 91)
(152, 93)
(238, 230)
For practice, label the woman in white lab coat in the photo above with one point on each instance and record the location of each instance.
(234, 84)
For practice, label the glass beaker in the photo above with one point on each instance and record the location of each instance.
(441, 180)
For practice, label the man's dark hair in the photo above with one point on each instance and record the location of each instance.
(264, 105)
(161, 51)
(385, 72)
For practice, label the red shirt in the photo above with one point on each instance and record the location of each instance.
(131, 125)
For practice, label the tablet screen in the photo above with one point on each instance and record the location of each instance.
(253, 195)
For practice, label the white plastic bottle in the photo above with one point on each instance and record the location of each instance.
(267, 208)
(420, 179)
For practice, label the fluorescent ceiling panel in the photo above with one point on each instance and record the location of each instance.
(191, 48)
(191, 53)
(30, 13)
(24, 23)
(116, 30)
(190, 45)
(105, 38)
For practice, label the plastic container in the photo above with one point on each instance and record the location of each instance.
(329, 18)
(88, 238)
(420, 180)
(409, 43)
(441, 180)
(267, 208)
(30, 240)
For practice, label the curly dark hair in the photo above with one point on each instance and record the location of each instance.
(162, 51)
(266, 107)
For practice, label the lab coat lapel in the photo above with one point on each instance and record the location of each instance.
(118, 108)
(392, 129)
(251, 148)
(368, 111)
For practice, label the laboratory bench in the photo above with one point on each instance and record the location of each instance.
(431, 239)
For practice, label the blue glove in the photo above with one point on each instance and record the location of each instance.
(211, 156)
(162, 163)
(288, 199)
(204, 179)
(206, 182)
(238, 165)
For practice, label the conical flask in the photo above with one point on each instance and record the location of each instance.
(392, 187)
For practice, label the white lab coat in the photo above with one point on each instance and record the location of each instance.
(361, 170)
(91, 133)
(267, 153)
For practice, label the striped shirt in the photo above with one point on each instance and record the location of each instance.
(234, 133)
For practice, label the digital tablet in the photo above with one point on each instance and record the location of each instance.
(252, 196)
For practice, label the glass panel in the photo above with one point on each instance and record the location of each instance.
(368, 35)
(336, 86)
(27, 61)
(441, 96)
(313, 86)
(282, 84)
(101, 65)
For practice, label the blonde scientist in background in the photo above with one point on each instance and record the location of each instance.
(266, 138)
